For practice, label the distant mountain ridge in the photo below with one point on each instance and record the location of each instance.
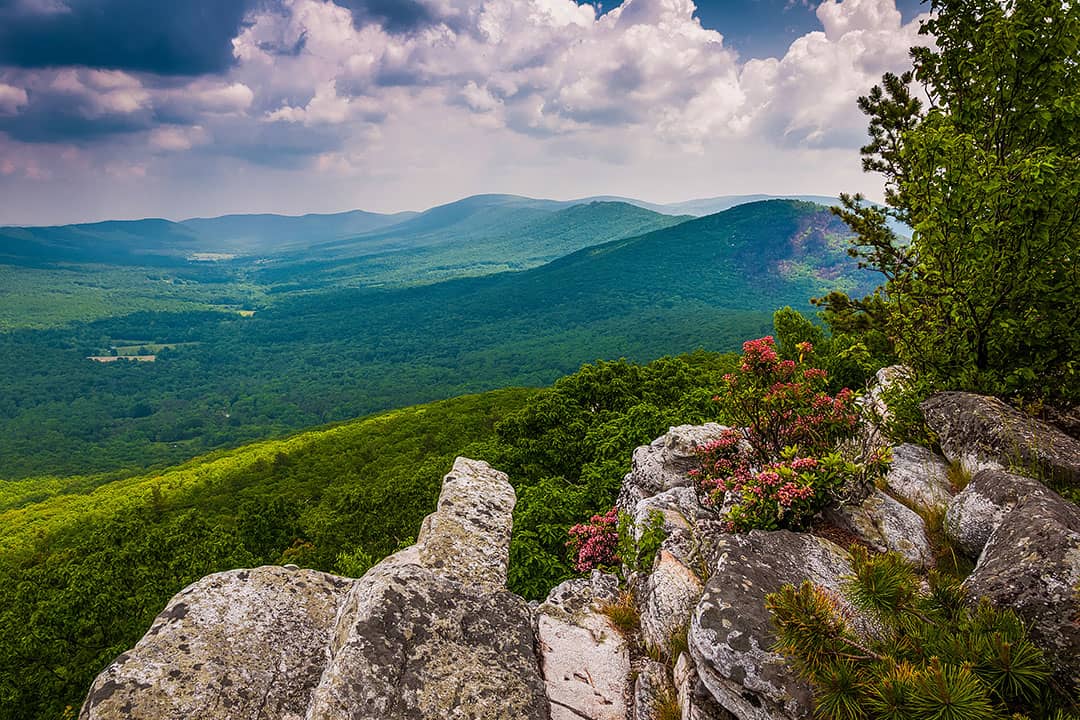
(156, 241)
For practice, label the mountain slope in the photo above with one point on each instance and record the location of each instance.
(469, 238)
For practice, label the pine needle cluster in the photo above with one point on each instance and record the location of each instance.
(894, 648)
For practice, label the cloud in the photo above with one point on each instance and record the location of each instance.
(11, 99)
(500, 91)
(189, 37)
(177, 138)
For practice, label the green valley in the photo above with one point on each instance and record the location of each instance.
(316, 357)
(86, 564)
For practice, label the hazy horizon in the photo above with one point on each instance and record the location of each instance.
(128, 109)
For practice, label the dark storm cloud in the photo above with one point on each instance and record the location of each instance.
(54, 120)
(170, 37)
(397, 16)
(277, 145)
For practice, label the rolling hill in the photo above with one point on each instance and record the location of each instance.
(325, 356)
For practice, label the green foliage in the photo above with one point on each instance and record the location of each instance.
(638, 548)
(318, 353)
(988, 176)
(83, 573)
(850, 353)
(782, 466)
(906, 422)
(567, 450)
(889, 649)
(85, 563)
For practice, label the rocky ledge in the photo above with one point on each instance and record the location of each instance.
(432, 631)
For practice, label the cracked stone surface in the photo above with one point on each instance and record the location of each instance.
(586, 660)
(664, 463)
(886, 525)
(1031, 564)
(731, 634)
(983, 433)
(429, 632)
(919, 477)
(980, 507)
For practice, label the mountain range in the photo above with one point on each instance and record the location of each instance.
(155, 241)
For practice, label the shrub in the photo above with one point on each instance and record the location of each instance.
(610, 541)
(784, 465)
(889, 649)
(783, 403)
(595, 544)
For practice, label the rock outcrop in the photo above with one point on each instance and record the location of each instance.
(886, 525)
(1031, 564)
(429, 632)
(664, 463)
(586, 660)
(433, 632)
(983, 433)
(979, 508)
(919, 477)
(731, 635)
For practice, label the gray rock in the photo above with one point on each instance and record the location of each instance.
(978, 509)
(695, 700)
(667, 599)
(731, 633)
(1032, 564)
(681, 512)
(984, 433)
(664, 463)
(410, 643)
(652, 690)
(586, 660)
(429, 632)
(886, 525)
(919, 477)
(231, 645)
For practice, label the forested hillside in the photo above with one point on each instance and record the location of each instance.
(84, 570)
(222, 379)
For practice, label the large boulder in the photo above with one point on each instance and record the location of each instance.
(586, 660)
(983, 433)
(429, 632)
(665, 463)
(666, 600)
(731, 634)
(979, 508)
(919, 477)
(886, 525)
(227, 646)
(1031, 564)
(695, 700)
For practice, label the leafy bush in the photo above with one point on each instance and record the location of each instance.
(783, 403)
(983, 296)
(783, 465)
(595, 544)
(889, 649)
(611, 541)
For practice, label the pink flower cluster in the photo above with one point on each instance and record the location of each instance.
(595, 543)
(779, 470)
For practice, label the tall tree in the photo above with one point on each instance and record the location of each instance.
(986, 171)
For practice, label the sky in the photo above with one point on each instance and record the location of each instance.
(142, 108)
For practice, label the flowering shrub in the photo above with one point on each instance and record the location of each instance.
(783, 403)
(595, 544)
(608, 541)
(783, 466)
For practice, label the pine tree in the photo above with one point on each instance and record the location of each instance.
(889, 650)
